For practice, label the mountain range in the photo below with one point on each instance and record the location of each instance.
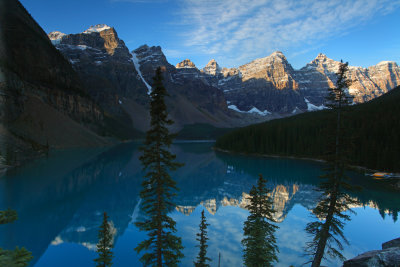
(61, 90)
(267, 86)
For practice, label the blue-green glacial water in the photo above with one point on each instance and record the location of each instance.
(60, 200)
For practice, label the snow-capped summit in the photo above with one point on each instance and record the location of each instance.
(212, 68)
(55, 37)
(97, 28)
(277, 54)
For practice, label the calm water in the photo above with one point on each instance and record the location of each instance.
(60, 201)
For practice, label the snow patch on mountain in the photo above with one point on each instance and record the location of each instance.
(55, 37)
(135, 61)
(256, 110)
(312, 107)
(97, 28)
(296, 110)
(252, 110)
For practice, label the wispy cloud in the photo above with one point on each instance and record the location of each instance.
(141, 1)
(248, 29)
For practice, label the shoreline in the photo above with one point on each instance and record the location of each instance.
(351, 167)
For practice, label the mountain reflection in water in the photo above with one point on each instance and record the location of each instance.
(60, 201)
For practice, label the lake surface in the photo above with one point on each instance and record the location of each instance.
(60, 200)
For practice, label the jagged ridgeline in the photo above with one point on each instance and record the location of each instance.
(372, 127)
(43, 102)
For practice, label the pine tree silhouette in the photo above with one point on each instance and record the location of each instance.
(259, 243)
(335, 201)
(202, 238)
(105, 244)
(162, 246)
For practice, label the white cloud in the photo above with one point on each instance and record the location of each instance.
(141, 1)
(249, 29)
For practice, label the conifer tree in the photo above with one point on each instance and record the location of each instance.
(8, 216)
(105, 244)
(19, 257)
(260, 243)
(202, 238)
(162, 246)
(327, 233)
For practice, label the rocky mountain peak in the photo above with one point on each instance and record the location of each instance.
(386, 63)
(185, 64)
(274, 68)
(212, 68)
(148, 59)
(278, 54)
(97, 28)
(56, 35)
(100, 37)
(153, 55)
(321, 57)
(322, 62)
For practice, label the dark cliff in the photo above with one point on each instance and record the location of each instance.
(43, 103)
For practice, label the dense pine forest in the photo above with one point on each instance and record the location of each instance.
(372, 129)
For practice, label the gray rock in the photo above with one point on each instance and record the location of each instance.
(389, 256)
(391, 244)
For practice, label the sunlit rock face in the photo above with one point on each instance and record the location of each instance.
(212, 68)
(367, 83)
(185, 64)
(274, 69)
(264, 88)
(271, 83)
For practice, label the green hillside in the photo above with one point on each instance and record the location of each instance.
(373, 128)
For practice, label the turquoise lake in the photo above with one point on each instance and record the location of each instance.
(60, 200)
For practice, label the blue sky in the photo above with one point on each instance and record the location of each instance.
(234, 32)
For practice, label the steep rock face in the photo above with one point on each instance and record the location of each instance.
(192, 98)
(274, 69)
(264, 85)
(212, 68)
(149, 58)
(271, 84)
(107, 70)
(42, 101)
(367, 83)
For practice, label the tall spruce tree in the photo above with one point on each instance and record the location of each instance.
(162, 246)
(202, 258)
(328, 233)
(259, 241)
(19, 257)
(105, 244)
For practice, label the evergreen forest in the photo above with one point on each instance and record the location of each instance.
(372, 128)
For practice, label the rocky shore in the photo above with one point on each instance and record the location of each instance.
(388, 256)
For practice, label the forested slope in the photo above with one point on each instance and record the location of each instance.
(373, 129)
